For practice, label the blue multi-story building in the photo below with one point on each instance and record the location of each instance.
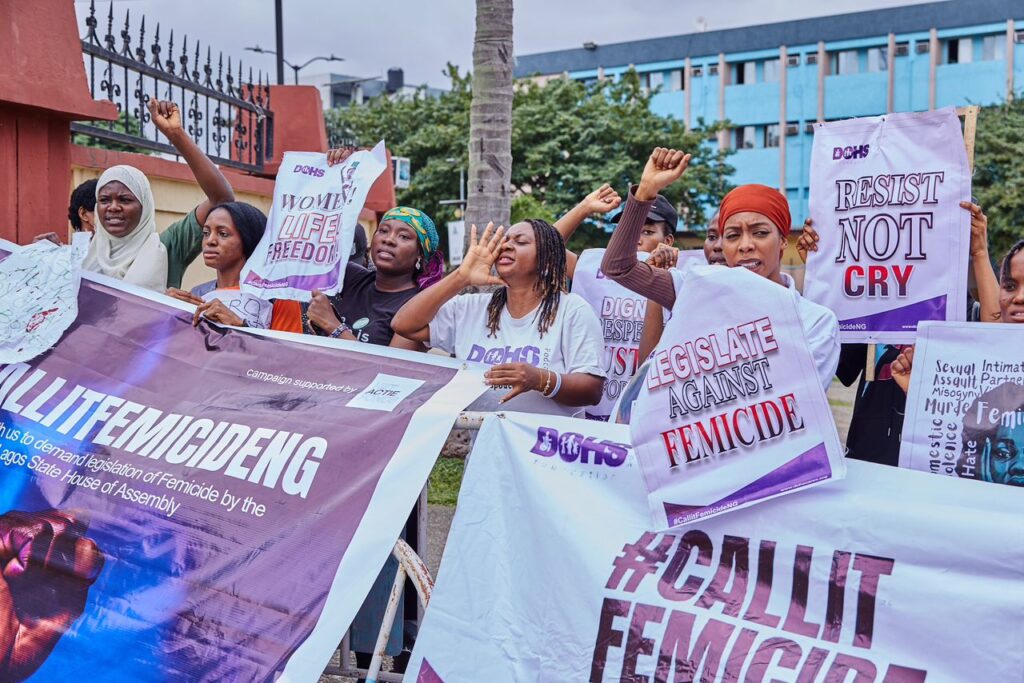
(910, 58)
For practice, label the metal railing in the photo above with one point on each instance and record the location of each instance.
(226, 114)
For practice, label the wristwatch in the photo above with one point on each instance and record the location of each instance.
(341, 329)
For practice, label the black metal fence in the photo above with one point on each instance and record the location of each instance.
(225, 112)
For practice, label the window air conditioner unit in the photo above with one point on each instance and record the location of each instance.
(921, 48)
(1019, 36)
(713, 70)
(793, 60)
(902, 49)
(696, 72)
(812, 58)
(792, 128)
(809, 127)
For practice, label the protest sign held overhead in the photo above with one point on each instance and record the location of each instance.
(229, 495)
(860, 580)
(311, 224)
(965, 405)
(885, 199)
(732, 410)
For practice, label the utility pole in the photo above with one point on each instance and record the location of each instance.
(280, 41)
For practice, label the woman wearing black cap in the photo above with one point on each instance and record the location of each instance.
(230, 235)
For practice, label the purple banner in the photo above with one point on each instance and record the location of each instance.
(805, 469)
(306, 282)
(186, 503)
(898, 319)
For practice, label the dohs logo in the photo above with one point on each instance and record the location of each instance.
(505, 354)
(573, 447)
(858, 152)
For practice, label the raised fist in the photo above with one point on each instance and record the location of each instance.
(166, 116)
(46, 568)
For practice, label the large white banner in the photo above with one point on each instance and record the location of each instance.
(311, 225)
(551, 574)
(732, 411)
(884, 197)
(965, 406)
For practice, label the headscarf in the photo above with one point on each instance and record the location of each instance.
(139, 257)
(758, 198)
(433, 269)
(249, 221)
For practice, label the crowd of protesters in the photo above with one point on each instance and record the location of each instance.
(543, 344)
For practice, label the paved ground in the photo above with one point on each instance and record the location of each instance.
(440, 517)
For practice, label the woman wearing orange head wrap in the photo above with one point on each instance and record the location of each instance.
(754, 221)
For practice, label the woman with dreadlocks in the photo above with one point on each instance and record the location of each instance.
(543, 344)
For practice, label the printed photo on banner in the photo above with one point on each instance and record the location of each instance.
(311, 225)
(854, 581)
(193, 476)
(894, 243)
(965, 405)
(732, 410)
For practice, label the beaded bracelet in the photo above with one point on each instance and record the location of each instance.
(547, 382)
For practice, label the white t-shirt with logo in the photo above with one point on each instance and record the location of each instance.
(573, 343)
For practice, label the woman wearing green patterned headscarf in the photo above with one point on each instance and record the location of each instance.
(406, 259)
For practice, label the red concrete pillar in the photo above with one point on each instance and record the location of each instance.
(42, 89)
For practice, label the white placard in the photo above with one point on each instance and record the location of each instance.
(884, 196)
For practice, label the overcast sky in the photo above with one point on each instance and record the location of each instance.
(420, 36)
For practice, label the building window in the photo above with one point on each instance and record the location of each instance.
(771, 70)
(959, 51)
(993, 47)
(811, 58)
(676, 79)
(845, 62)
(902, 49)
(771, 135)
(744, 73)
(744, 137)
(712, 70)
(878, 59)
(696, 72)
(654, 80)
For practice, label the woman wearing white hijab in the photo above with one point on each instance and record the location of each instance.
(126, 245)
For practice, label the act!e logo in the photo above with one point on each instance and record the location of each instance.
(573, 447)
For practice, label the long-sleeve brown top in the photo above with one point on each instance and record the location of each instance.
(620, 262)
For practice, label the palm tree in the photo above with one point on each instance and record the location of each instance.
(490, 123)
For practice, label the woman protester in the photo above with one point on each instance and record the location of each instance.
(230, 235)
(543, 345)
(126, 245)
(754, 221)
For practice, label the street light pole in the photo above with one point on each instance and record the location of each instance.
(281, 61)
(278, 15)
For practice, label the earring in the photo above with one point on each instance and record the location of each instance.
(419, 264)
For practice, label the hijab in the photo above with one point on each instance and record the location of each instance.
(139, 257)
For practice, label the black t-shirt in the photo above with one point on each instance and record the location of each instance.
(364, 308)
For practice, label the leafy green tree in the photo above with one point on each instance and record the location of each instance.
(999, 172)
(567, 139)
